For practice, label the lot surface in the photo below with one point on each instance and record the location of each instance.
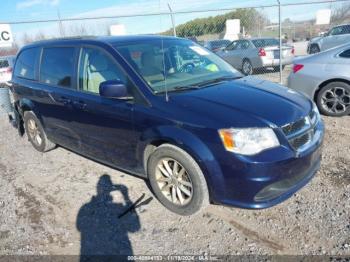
(47, 206)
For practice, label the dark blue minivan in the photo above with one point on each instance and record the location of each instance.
(170, 111)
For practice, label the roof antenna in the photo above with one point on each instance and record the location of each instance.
(165, 83)
(162, 44)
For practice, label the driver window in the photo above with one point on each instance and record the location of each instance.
(96, 67)
(336, 31)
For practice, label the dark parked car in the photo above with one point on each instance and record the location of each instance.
(197, 129)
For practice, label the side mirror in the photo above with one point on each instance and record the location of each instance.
(113, 89)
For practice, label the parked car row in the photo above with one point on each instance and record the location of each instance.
(253, 55)
(6, 67)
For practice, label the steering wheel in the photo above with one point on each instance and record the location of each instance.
(187, 67)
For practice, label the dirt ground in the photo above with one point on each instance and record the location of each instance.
(48, 205)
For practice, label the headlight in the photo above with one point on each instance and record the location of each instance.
(315, 116)
(248, 141)
(315, 109)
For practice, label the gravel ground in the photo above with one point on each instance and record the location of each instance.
(48, 205)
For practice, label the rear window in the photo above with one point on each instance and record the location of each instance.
(57, 66)
(265, 42)
(218, 44)
(26, 64)
(4, 63)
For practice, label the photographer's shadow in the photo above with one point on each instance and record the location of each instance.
(102, 231)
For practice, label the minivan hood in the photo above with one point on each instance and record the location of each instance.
(262, 102)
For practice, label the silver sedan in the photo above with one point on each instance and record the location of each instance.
(325, 78)
(256, 54)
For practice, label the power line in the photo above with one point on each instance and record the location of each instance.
(169, 13)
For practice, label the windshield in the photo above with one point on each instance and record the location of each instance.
(265, 42)
(173, 64)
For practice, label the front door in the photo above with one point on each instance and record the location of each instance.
(105, 125)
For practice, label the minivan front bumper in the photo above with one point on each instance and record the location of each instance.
(257, 184)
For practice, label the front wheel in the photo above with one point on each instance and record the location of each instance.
(314, 49)
(334, 99)
(177, 181)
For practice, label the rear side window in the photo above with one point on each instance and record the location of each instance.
(26, 64)
(4, 63)
(57, 66)
(265, 42)
(345, 54)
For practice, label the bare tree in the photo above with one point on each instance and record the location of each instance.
(341, 14)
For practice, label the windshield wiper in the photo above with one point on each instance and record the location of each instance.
(180, 89)
(217, 80)
(200, 85)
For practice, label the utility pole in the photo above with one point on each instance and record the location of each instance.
(280, 36)
(60, 25)
(172, 19)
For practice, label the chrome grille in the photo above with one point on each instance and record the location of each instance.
(301, 132)
(300, 140)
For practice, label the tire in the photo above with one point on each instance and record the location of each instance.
(334, 99)
(193, 175)
(247, 67)
(35, 132)
(314, 49)
(277, 68)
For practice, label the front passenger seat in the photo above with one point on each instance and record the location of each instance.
(99, 71)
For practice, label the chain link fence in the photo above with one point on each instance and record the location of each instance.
(246, 37)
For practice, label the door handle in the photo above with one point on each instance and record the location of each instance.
(80, 105)
(64, 100)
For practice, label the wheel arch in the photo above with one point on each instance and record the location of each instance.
(324, 83)
(187, 141)
(315, 44)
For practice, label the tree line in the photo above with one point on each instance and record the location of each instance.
(250, 18)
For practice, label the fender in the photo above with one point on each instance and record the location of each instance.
(188, 142)
(26, 104)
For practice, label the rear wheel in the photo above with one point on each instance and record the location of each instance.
(334, 99)
(247, 67)
(35, 132)
(177, 180)
(277, 68)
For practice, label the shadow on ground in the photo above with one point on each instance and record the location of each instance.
(104, 225)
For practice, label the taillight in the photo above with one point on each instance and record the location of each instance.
(9, 70)
(297, 68)
(262, 52)
(293, 51)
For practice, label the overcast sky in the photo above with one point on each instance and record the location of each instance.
(20, 10)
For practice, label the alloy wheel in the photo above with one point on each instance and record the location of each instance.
(174, 182)
(247, 68)
(34, 132)
(336, 100)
